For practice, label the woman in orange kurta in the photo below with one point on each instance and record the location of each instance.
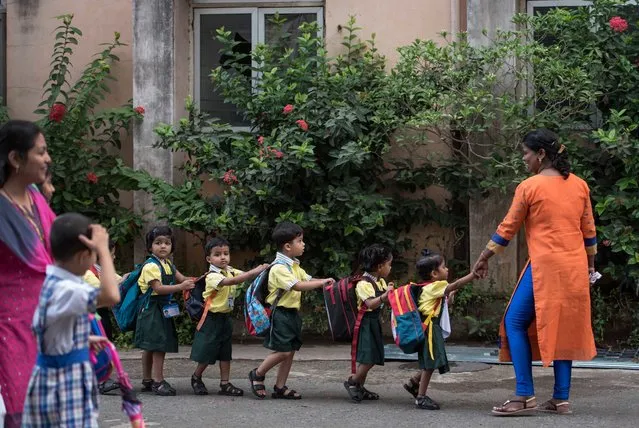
(548, 317)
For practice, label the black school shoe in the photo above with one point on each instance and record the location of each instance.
(425, 403)
(163, 389)
(147, 385)
(198, 386)
(108, 386)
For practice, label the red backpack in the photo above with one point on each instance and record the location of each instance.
(341, 307)
(344, 318)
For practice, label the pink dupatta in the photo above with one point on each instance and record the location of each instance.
(23, 261)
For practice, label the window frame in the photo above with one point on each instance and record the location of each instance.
(531, 4)
(258, 33)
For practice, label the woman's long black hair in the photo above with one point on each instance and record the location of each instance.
(549, 141)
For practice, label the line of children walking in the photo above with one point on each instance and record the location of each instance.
(286, 281)
(62, 326)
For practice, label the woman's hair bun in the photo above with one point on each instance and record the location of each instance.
(426, 252)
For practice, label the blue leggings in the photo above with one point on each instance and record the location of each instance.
(519, 316)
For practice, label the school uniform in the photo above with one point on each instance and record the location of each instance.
(63, 389)
(212, 342)
(370, 342)
(431, 303)
(286, 324)
(92, 277)
(154, 332)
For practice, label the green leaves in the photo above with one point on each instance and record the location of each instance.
(84, 142)
(327, 173)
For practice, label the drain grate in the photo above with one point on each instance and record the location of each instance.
(626, 354)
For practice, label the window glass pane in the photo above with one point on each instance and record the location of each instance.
(291, 26)
(211, 101)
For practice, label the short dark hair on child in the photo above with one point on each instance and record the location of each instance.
(218, 241)
(159, 231)
(285, 232)
(373, 256)
(427, 263)
(64, 235)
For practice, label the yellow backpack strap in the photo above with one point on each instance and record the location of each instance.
(428, 324)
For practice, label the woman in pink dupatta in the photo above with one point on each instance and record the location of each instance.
(25, 222)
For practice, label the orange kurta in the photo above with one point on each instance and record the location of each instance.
(560, 232)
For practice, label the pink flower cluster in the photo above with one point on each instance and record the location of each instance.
(618, 24)
(92, 178)
(302, 124)
(269, 150)
(229, 177)
(288, 109)
(57, 112)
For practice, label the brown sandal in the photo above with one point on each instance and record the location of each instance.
(561, 408)
(529, 406)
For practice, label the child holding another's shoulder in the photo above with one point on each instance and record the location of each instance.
(212, 340)
(286, 282)
(372, 293)
(155, 331)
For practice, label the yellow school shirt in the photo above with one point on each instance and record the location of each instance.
(365, 290)
(430, 297)
(91, 279)
(284, 274)
(223, 301)
(150, 272)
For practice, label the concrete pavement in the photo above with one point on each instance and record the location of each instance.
(602, 398)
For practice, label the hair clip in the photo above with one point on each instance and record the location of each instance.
(561, 149)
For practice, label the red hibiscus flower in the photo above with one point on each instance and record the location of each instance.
(139, 110)
(57, 112)
(230, 177)
(260, 140)
(302, 124)
(618, 24)
(276, 152)
(92, 178)
(288, 108)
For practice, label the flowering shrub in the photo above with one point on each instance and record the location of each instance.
(84, 141)
(576, 72)
(321, 130)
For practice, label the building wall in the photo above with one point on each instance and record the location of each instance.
(30, 36)
(31, 27)
(395, 23)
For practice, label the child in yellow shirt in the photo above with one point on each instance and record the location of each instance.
(432, 269)
(212, 342)
(286, 281)
(155, 331)
(372, 292)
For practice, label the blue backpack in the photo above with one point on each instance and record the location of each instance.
(131, 300)
(257, 313)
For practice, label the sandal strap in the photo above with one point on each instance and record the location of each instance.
(285, 391)
(520, 401)
(257, 378)
(229, 387)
